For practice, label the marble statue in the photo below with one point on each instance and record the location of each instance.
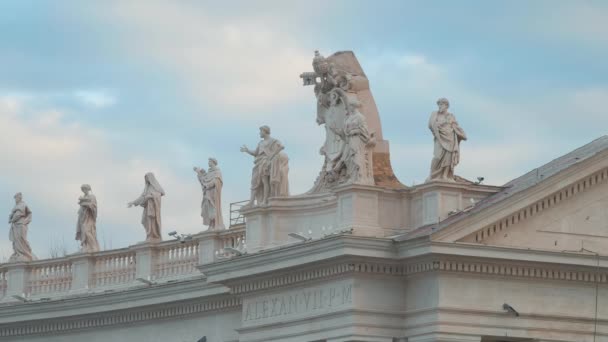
(447, 136)
(19, 219)
(150, 200)
(86, 230)
(348, 147)
(355, 158)
(269, 177)
(211, 207)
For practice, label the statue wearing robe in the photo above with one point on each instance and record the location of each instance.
(150, 200)
(269, 177)
(356, 155)
(211, 206)
(19, 219)
(272, 163)
(86, 228)
(447, 136)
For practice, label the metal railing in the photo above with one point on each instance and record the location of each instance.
(236, 218)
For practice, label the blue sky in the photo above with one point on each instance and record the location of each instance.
(102, 92)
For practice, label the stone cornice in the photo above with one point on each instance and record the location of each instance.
(292, 255)
(476, 221)
(140, 314)
(96, 303)
(413, 258)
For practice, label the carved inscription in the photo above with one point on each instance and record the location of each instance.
(298, 302)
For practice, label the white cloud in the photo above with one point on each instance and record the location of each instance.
(48, 159)
(95, 98)
(238, 65)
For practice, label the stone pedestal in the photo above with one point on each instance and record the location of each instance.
(435, 201)
(208, 243)
(145, 260)
(17, 278)
(83, 266)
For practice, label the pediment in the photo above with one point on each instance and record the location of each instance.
(567, 212)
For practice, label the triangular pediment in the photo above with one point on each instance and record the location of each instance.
(565, 212)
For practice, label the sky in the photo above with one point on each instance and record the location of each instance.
(101, 92)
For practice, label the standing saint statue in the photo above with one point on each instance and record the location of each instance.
(356, 155)
(86, 229)
(448, 135)
(20, 217)
(211, 207)
(269, 177)
(150, 201)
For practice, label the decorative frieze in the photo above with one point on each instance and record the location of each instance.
(409, 269)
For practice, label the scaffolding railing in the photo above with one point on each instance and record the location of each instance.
(236, 218)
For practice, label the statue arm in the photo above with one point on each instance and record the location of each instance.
(458, 130)
(139, 201)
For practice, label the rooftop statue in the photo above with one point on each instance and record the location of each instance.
(269, 177)
(150, 200)
(353, 164)
(447, 136)
(211, 207)
(19, 219)
(344, 99)
(86, 229)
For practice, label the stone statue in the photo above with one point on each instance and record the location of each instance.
(269, 177)
(348, 148)
(20, 217)
(150, 200)
(211, 207)
(86, 230)
(448, 135)
(355, 158)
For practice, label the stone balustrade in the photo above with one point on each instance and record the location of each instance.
(116, 269)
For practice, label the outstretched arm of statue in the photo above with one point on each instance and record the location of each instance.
(245, 149)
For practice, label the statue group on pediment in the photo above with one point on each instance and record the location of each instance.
(342, 90)
(349, 143)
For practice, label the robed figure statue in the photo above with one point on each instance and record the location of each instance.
(86, 228)
(150, 201)
(447, 135)
(211, 207)
(269, 177)
(19, 219)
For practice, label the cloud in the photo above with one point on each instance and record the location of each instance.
(95, 98)
(47, 158)
(236, 65)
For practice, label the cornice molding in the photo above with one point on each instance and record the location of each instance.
(63, 325)
(504, 209)
(563, 195)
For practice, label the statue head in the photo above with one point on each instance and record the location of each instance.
(212, 162)
(443, 104)
(352, 105)
(86, 188)
(320, 64)
(18, 197)
(264, 131)
(151, 181)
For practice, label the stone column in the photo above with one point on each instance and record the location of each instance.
(145, 260)
(83, 266)
(16, 284)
